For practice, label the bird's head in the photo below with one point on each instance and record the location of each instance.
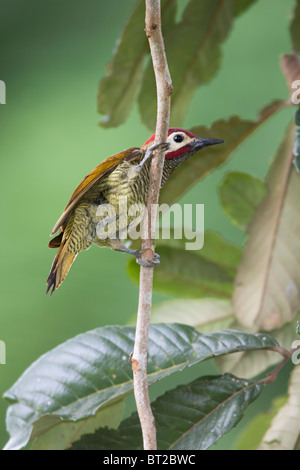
(183, 143)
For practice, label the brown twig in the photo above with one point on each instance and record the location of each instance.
(287, 355)
(140, 352)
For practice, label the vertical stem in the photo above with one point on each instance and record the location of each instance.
(164, 90)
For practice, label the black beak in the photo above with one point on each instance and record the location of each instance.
(200, 143)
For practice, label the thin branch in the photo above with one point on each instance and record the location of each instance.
(272, 376)
(287, 355)
(284, 352)
(139, 357)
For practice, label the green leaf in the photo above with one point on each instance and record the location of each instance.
(119, 88)
(203, 411)
(220, 251)
(297, 141)
(51, 433)
(295, 28)
(190, 417)
(267, 293)
(240, 194)
(255, 362)
(284, 432)
(254, 433)
(92, 370)
(215, 249)
(184, 274)
(206, 273)
(242, 5)
(234, 131)
(206, 315)
(193, 49)
(213, 314)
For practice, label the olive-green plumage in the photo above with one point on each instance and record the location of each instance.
(122, 176)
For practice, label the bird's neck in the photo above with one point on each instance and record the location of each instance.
(171, 165)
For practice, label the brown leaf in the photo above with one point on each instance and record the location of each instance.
(284, 432)
(267, 293)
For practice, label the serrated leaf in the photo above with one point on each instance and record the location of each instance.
(193, 49)
(267, 293)
(51, 433)
(92, 370)
(119, 88)
(234, 131)
(240, 194)
(190, 417)
(254, 433)
(284, 432)
(206, 273)
(295, 28)
(205, 315)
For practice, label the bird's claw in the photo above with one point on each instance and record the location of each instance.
(163, 146)
(148, 263)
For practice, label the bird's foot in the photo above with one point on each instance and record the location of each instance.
(148, 263)
(138, 254)
(162, 146)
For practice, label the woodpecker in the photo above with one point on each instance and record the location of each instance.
(125, 174)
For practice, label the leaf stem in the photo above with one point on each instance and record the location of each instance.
(287, 355)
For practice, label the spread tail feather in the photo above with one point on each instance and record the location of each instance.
(60, 267)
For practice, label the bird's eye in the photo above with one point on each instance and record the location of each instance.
(178, 138)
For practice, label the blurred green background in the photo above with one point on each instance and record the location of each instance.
(52, 56)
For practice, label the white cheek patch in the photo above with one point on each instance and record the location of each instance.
(177, 145)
